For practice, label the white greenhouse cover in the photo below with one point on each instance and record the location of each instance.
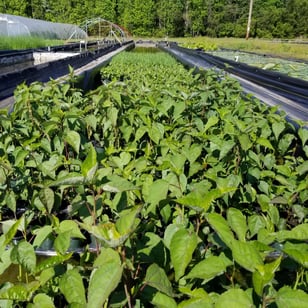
(11, 25)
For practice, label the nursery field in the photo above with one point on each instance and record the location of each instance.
(179, 190)
(289, 50)
(294, 69)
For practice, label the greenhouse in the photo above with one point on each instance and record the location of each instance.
(11, 25)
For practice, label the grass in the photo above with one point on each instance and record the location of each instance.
(274, 47)
(26, 42)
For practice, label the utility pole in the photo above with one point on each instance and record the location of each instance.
(249, 19)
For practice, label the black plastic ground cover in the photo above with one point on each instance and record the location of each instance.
(13, 53)
(289, 87)
(51, 70)
(67, 47)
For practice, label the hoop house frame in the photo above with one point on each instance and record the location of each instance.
(103, 29)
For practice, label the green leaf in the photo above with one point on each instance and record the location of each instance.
(20, 157)
(179, 107)
(182, 245)
(10, 200)
(26, 256)
(107, 255)
(46, 275)
(264, 202)
(303, 168)
(201, 199)
(103, 281)
(117, 97)
(140, 132)
(125, 158)
(41, 234)
(118, 184)
(5, 260)
(52, 262)
(113, 114)
(237, 222)
(156, 132)
(157, 278)
(303, 134)
(255, 157)
(89, 165)
(210, 267)
(62, 242)
(152, 250)
(196, 303)
(194, 293)
(264, 275)
(128, 221)
(221, 227)
(107, 233)
(278, 128)
(300, 232)
(91, 121)
(177, 161)
(50, 166)
(9, 230)
(47, 197)
(213, 120)
(193, 152)
(70, 226)
(297, 251)
(244, 142)
(161, 300)
(234, 298)
(157, 191)
(287, 297)
(226, 147)
(246, 255)
(284, 142)
(265, 142)
(169, 232)
(73, 139)
(273, 214)
(71, 286)
(42, 300)
(71, 179)
(21, 292)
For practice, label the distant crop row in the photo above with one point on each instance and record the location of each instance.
(182, 192)
(294, 69)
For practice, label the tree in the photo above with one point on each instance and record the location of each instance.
(270, 18)
(106, 9)
(170, 17)
(297, 15)
(137, 16)
(14, 7)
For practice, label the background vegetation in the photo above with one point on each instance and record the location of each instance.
(215, 18)
(24, 42)
(271, 47)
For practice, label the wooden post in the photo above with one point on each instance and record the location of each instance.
(249, 19)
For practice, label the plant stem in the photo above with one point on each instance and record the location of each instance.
(127, 296)
(298, 277)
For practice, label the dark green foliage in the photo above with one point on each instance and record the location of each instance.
(224, 18)
(183, 191)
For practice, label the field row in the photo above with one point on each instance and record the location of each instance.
(182, 192)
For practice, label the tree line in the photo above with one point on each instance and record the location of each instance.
(174, 18)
